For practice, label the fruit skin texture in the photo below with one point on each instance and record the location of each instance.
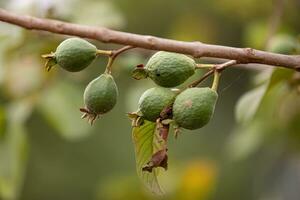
(170, 69)
(194, 107)
(154, 100)
(75, 54)
(100, 95)
(283, 44)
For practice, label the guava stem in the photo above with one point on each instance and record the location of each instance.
(103, 52)
(217, 68)
(216, 80)
(112, 55)
(204, 66)
(109, 64)
(48, 56)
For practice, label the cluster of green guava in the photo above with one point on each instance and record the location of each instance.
(100, 95)
(191, 108)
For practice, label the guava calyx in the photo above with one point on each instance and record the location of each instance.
(136, 118)
(89, 115)
(50, 61)
(139, 72)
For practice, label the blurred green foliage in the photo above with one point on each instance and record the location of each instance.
(254, 155)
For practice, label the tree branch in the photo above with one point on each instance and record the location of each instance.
(195, 49)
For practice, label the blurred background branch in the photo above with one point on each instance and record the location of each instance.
(275, 18)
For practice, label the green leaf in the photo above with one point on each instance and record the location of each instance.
(280, 75)
(265, 125)
(249, 103)
(147, 142)
(271, 103)
(60, 107)
(13, 157)
(246, 140)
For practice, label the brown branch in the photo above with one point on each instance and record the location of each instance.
(196, 49)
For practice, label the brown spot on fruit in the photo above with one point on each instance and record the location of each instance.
(188, 103)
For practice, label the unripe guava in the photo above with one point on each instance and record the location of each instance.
(283, 44)
(100, 95)
(194, 107)
(170, 69)
(75, 54)
(154, 100)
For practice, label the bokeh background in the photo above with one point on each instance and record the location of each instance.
(250, 149)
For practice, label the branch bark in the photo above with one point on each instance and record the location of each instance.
(195, 49)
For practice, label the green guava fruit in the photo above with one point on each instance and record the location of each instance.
(100, 96)
(170, 69)
(75, 54)
(194, 107)
(283, 44)
(154, 100)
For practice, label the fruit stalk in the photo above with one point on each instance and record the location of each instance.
(205, 66)
(104, 52)
(218, 67)
(113, 55)
(216, 80)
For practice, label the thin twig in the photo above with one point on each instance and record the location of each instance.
(221, 67)
(205, 76)
(104, 52)
(216, 80)
(217, 67)
(117, 52)
(204, 66)
(196, 49)
(114, 54)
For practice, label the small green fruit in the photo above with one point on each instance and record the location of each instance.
(100, 96)
(283, 44)
(154, 100)
(75, 54)
(170, 69)
(194, 107)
